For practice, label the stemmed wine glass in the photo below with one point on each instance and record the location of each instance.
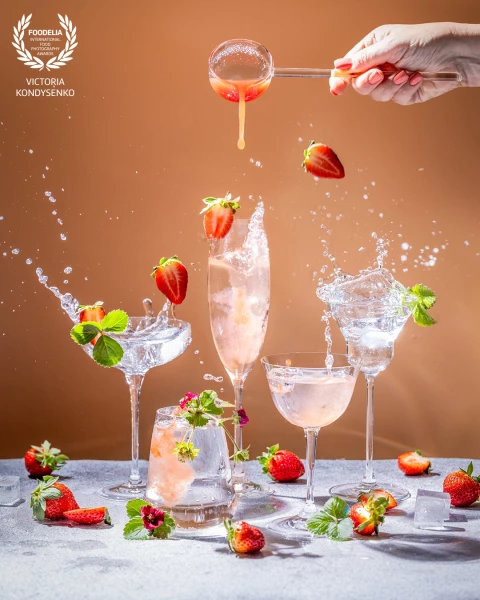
(310, 395)
(239, 301)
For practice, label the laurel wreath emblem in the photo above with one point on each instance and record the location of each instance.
(33, 61)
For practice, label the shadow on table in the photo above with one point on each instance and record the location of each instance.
(428, 547)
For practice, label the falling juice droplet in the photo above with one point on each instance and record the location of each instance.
(241, 118)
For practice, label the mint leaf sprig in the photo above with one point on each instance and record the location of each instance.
(198, 410)
(426, 299)
(106, 351)
(333, 521)
(147, 522)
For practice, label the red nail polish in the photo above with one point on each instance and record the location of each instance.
(400, 78)
(416, 79)
(342, 63)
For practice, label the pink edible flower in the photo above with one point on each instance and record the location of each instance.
(186, 399)
(243, 419)
(152, 517)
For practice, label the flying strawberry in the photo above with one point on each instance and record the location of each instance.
(413, 463)
(94, 312)
(171, 278)
(50, 500)
(243, 538)
(321, 161)
(367, 517)
(42, 460)
(281, 465)
(463, 487)
(365, 496)
(219, 215)
(89, 516)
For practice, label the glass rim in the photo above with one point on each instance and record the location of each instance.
(364, 303)
(244, 41)
(264, 360)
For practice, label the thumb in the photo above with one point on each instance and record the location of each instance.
(367, 58)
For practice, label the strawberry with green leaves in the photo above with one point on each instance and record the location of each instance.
(92, 313)
(364, 498)
(463, 487)
(281, 465)
(367, 517)
(243, 538)
(50, 499)
(107, 351)
(89, 516)
(219, 216)
(413, 463)
(171, 277)
(321, 161)
(42, 460)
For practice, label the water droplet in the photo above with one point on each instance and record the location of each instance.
(54, 212)
(68, 270)
(30, 151)
(65, 281)
(63, 236)
(404, 246)
(52, 199)
(1, 218)
(15, 251)
(197, 352)
(201, 362)
(29, 261)
(403, 258)
(46, 168)
(467, 243)
(48, 194)
(59, 221)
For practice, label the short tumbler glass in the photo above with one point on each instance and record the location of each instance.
(197, 494)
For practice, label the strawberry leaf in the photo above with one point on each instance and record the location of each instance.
(333, 521)
(115, 321)
(107, 352)
(85, 332)
(134, 507)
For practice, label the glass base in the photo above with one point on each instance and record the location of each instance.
(350, 491)
(248, 488)
(123, 491)
(294, 527)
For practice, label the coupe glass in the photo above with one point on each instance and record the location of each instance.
(239, 301)
(370, 329)
(310, 395)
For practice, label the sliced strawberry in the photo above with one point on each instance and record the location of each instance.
(365, 496)
(281, 465)
(367, 517)
(93, 312)
(89, 516)
(244, 538)
(413, 463)
(321, 161)
(219, 215)
(171, 278)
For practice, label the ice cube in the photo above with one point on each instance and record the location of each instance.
(9, 490)
(373, 339)
(431, 509)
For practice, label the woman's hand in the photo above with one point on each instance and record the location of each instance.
(410, 49)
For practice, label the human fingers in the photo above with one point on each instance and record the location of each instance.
(337, 85)
(411, 92)
(366, 83)
(390, 87)
(370, 57)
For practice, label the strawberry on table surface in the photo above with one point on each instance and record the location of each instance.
(92, 313)
(42, 460)
(365, 496)
(50, 499)
(368, 516)
(463, 487)
(321, 161)
(219, 215)
(171, 278)
(281, 465)
(413, 463)
(89, 516)
(243, 538)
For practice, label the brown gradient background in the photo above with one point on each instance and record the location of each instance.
(145, 139)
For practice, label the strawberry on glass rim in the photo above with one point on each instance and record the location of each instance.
(171, 278)
(218, 215)
(92, 313)
(321, 161)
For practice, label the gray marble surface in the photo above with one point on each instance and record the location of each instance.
(47, 561)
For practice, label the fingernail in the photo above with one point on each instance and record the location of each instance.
(416, 79)
(342, 63)
(400, 78)
(375, 77)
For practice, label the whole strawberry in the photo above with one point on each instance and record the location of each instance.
(219, 216)
(50, 500)
(368, 516)
(281, 465)
(463, 487)
(42, 460)
(413, 463)
(243, 538)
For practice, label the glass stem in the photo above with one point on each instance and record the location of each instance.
(135, 385)
(311, 436)
(238, 470)
(369, 477)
